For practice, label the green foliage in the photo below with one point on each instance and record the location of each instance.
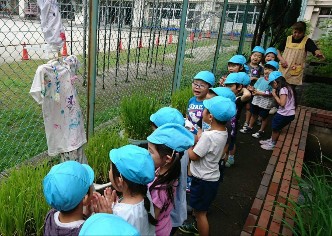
(313, 210)
(97, 152)
(135, 112)
(325, 45)
(23, 206)
(323, 101)
(180, 99)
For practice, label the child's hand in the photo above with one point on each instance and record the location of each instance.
(274, 93)
(222, 80)
(250, 88)
(110, 195)
(102, 204)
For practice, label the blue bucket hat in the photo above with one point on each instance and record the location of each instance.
(245, 78)
(233, 78)
(274, 75)
(238, 59)
(274, 64)
(258, 49)
(134, 163)
(224, 92)
(271, 49)
(222, 109)
(167, 115)
(174, 136)
(206, 76)
(101, 224)
(246, 68)
(66, 184)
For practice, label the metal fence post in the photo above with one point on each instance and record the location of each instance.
(219, 40)
(180, 48)
(244, 29)
(92, 67)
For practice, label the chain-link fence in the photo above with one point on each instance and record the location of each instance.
(137, 44)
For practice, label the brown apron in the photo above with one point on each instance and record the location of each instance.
(295, 56)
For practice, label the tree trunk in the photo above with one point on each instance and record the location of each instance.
(258, 23)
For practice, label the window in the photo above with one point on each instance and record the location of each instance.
(325, 11)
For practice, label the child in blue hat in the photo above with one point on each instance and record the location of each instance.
(101, 224)
(203, 80)
(285, 96)
(166, 115)
(67, 188)
(235, 82)
(131, 170)
(255, 69)
(169, 115)
(234, 65)
(167, 145)
(262, 101)
(205, 156)
(271, 54)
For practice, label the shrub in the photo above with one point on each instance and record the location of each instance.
(97, 152)
(23, 207)
(313, 211)
(135, 112)
(310, 98)
(180, 99)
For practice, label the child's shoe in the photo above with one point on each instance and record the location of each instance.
(273, 110)
(265, 141)
(189, 229)
(268, 146)
(258, 134)
(230, 161)
(245, 125)
(246, 130)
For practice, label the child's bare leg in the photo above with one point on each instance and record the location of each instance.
(248, 113)
(275, 136)
(202, 223)
(264, 124)
(253, 119)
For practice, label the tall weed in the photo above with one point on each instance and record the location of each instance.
(180, 99)
(23, 206)
(313, 209)
(97, 152)
(135, 114)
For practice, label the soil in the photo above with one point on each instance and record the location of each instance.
(236, 194)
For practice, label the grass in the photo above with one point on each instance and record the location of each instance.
(22, 133)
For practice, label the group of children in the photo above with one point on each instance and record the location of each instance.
(148, 193)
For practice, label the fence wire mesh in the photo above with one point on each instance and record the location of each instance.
(137, 45)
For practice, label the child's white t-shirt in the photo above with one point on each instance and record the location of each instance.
(136, 215)
(53, 87)
(209, 147)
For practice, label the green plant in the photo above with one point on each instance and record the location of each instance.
(310, 98)
(135, 112)
(97, 151)
(23, 206)
(313, 211)
(180, 99)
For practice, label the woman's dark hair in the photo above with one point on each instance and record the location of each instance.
(135, 189)
(167, 180)
(281, 82)
(300, 26)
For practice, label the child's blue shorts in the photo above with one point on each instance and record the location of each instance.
(202, 193)
(280, 121)
(256, 110)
